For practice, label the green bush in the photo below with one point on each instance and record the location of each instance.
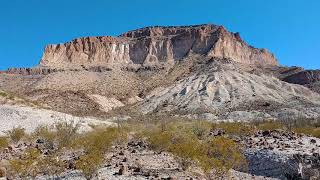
(89, 163)
(66, 133)
(101, 139)
(189, 145)
(3, 94)
(96, 143)
(235, 128)
(224, 154)
(26, 165)
(45, 133)
(3, 143)
(16, 134)
(270, 125)
(51, 165)
(311, 131)
(32, 163)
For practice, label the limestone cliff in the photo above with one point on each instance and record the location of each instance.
(155, 46)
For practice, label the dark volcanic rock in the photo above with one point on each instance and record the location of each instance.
(304, 77)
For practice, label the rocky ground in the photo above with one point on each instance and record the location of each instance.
(271, 154)
(30, 118)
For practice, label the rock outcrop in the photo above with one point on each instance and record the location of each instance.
(304, 77)
(153, 46)
(226, 90)
(31, 71)
(48, 70)
(283, 155)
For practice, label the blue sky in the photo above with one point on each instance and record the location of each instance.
(288, 28)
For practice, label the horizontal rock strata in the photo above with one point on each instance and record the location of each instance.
(154, 46)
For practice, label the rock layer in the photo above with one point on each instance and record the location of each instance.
(153, 46)
(304, 77)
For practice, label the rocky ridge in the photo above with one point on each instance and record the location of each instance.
(155, 46)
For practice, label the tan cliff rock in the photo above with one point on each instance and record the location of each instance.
(152, 46)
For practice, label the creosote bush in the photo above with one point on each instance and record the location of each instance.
(89, 163)
(3, 94)
(16, 134)
(66, 133)
(96, 143)
(47, 134)
(3, 143)
(312, 131)
(32, 163)
(270, 125)
(305, 126)
(26, 166)
(235, 128)
(189, 141)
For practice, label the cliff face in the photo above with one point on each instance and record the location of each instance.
(155, 46)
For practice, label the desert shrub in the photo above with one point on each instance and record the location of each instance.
(3, 94)
(50, 165)
(235, 128)
(224, 154)
(89, 163)
(160, 142)
(66, 132)
(101, 139)
(180, 139)
(16, 134)
(188, 148)
(3, 143)
(32, 163)
(96, 143)
(311, 131)
(45, 133)
(201, 128)
(26, 165)
(270, 125)
(63, 134)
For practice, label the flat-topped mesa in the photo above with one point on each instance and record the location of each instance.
(152, 46)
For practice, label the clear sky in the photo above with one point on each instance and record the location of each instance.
(288, 28)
